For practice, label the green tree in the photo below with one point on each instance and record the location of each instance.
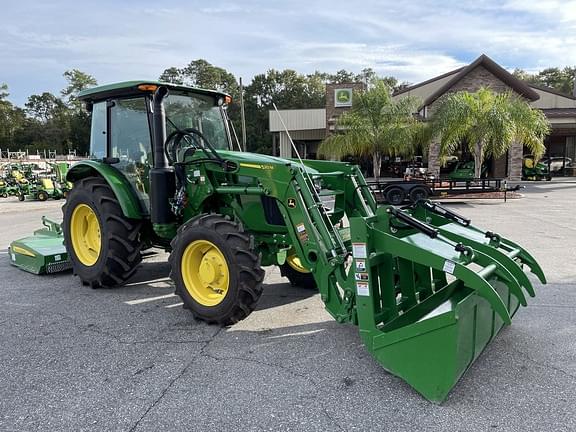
(200, 73)
(78, 118)
(556, 78)
(288, 90)
(377, 125)
(44, 107)
(77, 81)
(12, 120)
(489, 123)
(172, 75)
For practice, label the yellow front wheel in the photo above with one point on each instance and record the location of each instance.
(215, 269)
(205, 272)
(297, 274)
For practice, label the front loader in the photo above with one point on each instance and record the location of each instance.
(427, 289)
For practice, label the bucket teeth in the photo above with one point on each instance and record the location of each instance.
(441, 255)
(506, 259)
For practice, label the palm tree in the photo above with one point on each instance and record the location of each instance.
(377, 125)
(489, 123)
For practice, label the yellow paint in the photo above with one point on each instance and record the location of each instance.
(85, 234)
(22, 251)
(256, 166)
(47, 184)
(205, 272)
(294, 262)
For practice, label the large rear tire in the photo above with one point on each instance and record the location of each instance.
(103, 245)
(216, 270)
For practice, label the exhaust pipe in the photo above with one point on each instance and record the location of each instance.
(162, 181)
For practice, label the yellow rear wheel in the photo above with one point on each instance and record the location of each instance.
(103, 245)
(85, 234)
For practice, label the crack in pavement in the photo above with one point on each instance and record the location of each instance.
(93, 328)
(173, 381)
(546, 366)
(316, 385)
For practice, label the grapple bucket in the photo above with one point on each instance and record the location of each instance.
(43, 252)
(432, 291)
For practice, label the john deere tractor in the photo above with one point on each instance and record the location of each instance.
(426, 288)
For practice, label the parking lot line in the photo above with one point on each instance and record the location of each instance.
(149, 299)
(173, 305)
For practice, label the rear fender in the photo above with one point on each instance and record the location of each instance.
(129, 202)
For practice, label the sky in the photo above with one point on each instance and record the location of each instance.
(116, 40)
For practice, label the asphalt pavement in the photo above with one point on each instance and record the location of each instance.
(131, 359)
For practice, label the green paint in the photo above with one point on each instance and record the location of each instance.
(131, 206)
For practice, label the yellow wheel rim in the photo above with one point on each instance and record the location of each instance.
(205, 272)
(294, 262)
(85, 234)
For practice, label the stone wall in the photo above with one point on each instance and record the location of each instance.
(515, 161)
(434, 159)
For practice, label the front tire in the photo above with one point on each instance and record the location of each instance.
(297, 274)
(216, 270)
(103, 245)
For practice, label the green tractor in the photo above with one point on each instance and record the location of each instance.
(426, 288)
(40, 189)
(465, 171)
(533, 170)
(3, 189)
(60, 170)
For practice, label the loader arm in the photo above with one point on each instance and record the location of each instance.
(427, 289)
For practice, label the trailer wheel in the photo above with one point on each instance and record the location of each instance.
(4, 195)
(103, 245)
(418, 193)
(42, 196)
(395, 196)
(21, 197)
(297, 274)
(216, 270)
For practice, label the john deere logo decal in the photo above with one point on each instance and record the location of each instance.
(343, 97)
(291, 203)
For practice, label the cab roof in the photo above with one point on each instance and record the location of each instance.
(128, 88)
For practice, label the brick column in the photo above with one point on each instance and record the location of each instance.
(434, 159)
(515, 161)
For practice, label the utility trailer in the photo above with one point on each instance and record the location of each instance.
(396, 192)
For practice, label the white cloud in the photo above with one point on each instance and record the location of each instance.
(411, 40)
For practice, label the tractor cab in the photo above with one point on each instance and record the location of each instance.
(122, 131)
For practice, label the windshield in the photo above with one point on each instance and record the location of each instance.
(199, 112)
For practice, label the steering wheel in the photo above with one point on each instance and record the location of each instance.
(195, 138)
(176, 140)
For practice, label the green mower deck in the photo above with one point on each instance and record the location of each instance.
(44, 252)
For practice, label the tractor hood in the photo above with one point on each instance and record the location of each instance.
(263, 162)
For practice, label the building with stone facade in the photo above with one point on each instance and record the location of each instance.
(309, 127)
